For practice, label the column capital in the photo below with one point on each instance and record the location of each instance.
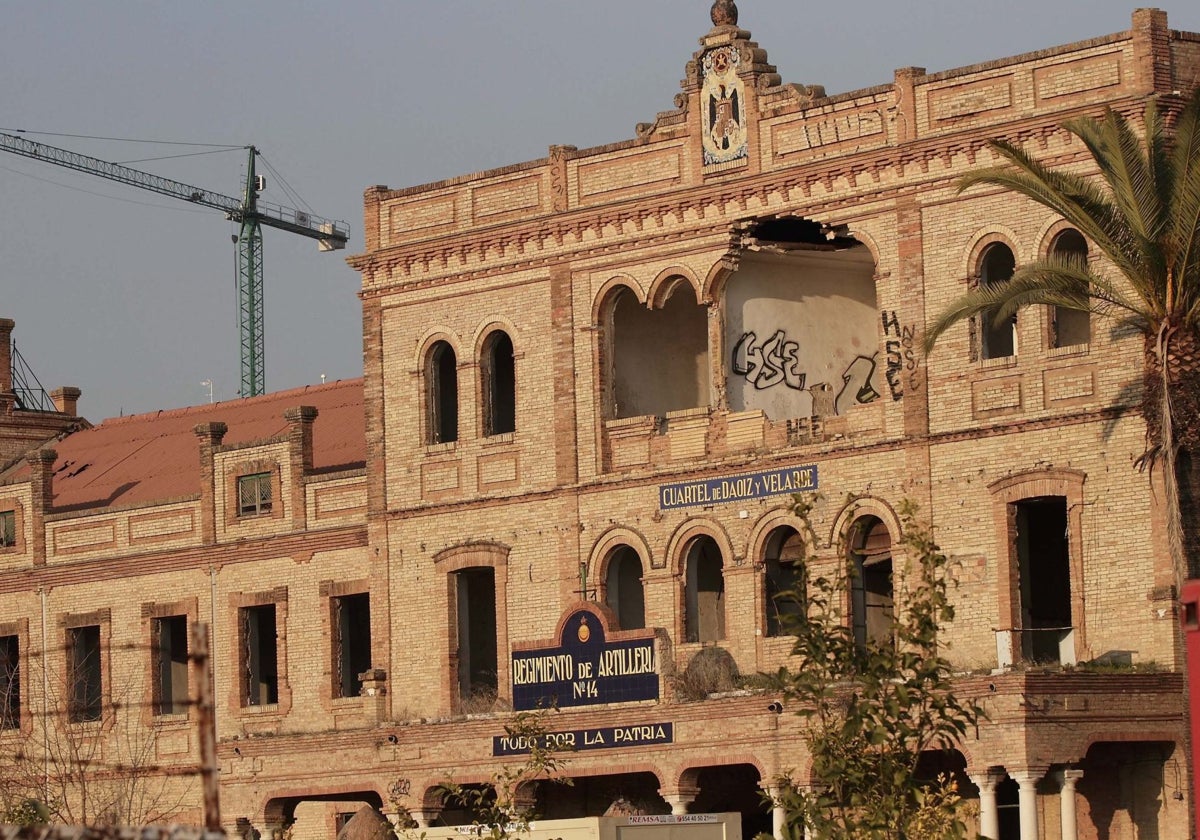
(1028, 775)
(987, 779)
(1069, 776)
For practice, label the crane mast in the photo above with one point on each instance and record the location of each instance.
(251, 215)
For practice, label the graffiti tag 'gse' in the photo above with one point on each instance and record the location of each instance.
(770, 363)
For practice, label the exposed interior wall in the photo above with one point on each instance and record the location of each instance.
(801, 330)
(660, 356)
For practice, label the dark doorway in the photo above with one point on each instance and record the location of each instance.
(477, 655)
(1044, 570)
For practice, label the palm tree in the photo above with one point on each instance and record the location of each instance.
(1143, 215)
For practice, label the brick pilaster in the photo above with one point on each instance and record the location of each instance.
(210, 436)
(562, 330)
(905, 87)
(300, 455)
(41, 481)
(1152, 50)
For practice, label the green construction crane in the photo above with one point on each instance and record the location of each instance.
(247, 211)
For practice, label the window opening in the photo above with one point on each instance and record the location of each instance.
(1070, 327)
(8, 528)
(351, 642)
(477, 654)
(646, 376)
(254, 494)
(84, 673)
(999, 340)
(170, 662)
(782, 580)
(10, 682)
(442, 379)
(1044, 571)
(623, 587)
(705, 590)
(260, 655)
(499, 386)
(872, 604)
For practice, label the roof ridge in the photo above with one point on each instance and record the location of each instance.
(204, 408)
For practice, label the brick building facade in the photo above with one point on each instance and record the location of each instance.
(591, 383)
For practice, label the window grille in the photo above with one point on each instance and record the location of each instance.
(254, 494)
(8, 528)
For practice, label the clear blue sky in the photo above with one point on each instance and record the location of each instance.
(131, 297)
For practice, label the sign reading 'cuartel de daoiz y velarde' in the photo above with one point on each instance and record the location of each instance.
(738, 488)
(585, 668)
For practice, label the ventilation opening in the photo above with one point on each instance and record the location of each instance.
(1044, 570)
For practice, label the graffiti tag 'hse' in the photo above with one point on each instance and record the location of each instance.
(770, 363)
(901, 354)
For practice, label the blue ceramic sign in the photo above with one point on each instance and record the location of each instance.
(585, 669)
(738, 488)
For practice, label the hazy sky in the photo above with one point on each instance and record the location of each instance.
(131, 297)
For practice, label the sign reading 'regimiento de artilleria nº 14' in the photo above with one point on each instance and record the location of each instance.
(585, 668)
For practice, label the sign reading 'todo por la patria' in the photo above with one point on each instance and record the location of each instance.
(585, 668)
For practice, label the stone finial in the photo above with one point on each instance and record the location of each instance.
(724, 13)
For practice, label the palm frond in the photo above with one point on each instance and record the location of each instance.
(1076, 198)
(1185, 235)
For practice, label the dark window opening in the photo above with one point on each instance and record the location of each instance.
(1008, 809)
(1070, 327)
(997, 267)
(260, 655)
(170, 662)
(254, 494)
(477, 648)
(704, 609)
(499, 386)
(783, 581)
(872, 604)
(1044, 572)
(8, 528)
(623, 589)
(10, 682)
(351, 622)
(86, 696)
(442, 382)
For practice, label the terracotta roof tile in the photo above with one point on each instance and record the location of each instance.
(155, 457)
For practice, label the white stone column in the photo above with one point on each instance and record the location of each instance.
(778, 813)
(1027, 800)
(1066, 802)
(989, 812)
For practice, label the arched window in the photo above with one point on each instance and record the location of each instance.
(704, 589)
(872, 608)
(1070, 327)
(998, 341)
(441, 382)
(499, 372)
(783, 580)
(623, 588)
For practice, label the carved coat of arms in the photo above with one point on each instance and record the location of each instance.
(722, 102)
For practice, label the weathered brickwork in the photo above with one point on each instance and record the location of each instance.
(674, 319)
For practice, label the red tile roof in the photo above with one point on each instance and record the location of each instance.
(155, 457)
